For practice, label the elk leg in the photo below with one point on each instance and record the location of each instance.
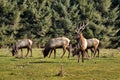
(50, 53)
(21, 53)
(87, 55)
(64, 50)
(27, 52)
(69, 50)
(98, 52)
(31, 52)
(83, 52)
(78, 57)
(54, 53)
(92, 51)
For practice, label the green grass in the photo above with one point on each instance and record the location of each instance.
(107, 67)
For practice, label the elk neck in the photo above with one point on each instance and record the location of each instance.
(82, 41)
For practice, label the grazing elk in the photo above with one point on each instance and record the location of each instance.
(60, 42)
(25, 43)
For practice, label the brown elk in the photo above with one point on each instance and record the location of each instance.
(83, 43)
(92, 44)
(25, 43)
(60, 42)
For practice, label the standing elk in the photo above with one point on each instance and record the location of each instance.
(83, 43)
(20, 44)
(60, 42)
(92, 44)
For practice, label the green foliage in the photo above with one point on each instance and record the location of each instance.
(41, 20)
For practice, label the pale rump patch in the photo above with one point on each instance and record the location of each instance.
(30, 42)
(96, 42)
(67, 40)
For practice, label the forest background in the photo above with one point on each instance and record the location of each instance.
(41, 20)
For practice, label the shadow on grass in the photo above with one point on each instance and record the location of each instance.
(47, 62)
(5, 56)
(41, 60)
(38, 62)
(25, 58)
(103, 57)
(37, 57)
(107, 57)
(16, 59)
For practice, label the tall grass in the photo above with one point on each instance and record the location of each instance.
(107, 67)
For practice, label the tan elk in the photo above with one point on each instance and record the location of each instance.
(83, 43)
(54, 43)
(20, 44)
(93, 45)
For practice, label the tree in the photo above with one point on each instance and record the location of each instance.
(41, 20)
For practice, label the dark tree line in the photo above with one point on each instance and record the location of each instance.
(41, 20)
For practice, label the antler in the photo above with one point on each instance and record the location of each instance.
(82, 27)
(76, 30)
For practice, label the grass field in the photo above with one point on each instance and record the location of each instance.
(107, 67)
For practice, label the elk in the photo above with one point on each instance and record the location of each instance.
(76, 51)
(60, 42)
(93, 45)
(20, 44)
(83, 43)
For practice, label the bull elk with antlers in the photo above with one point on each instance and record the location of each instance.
(83, 43)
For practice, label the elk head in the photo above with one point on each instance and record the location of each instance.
(79, 30)
(14, 50)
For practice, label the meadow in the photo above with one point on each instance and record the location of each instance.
(106, 67)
